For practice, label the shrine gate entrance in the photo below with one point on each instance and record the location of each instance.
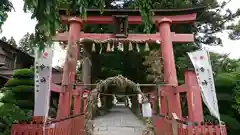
(163, 20)
(163, 121)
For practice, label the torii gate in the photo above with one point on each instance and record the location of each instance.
(163, 20)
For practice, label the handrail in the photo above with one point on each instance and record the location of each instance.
(73, 125)
(63, 119)
(165, 125)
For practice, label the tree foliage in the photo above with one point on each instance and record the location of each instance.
(10, 41)
(4, 39)
(226, 75)
(26, 44)
(210, 21)
(235, 33)
(18, 99)
(5, 7)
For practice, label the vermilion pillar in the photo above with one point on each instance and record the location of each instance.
(195, 110)
(69, 69)
(170, 75)
(77, 101)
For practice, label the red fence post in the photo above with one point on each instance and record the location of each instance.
(85, 95)
(194, 99)
(77, 102)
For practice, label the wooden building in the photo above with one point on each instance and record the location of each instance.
(12, 58)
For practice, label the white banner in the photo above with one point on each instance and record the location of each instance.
(203, 69)
(43, 72)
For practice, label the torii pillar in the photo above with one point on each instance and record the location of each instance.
(69, 70)
(170, 75)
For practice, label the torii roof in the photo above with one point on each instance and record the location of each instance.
(135, 12)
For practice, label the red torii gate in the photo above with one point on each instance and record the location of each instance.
(163, 20)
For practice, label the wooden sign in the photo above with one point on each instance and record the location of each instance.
(121, 26)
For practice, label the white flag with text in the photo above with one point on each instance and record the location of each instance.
(203, 69)
(43, 71)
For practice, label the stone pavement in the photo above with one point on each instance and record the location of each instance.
(120, 121)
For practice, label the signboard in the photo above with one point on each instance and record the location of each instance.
(203, 69)
(121, 26)
(43, 71)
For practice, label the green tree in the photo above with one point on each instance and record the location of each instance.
(5, 7)
(235, 33)
(26, 44)
(226, 83)
(210, 21)
(12, 42)
(129, 64)
(4, 39)
(18, 99)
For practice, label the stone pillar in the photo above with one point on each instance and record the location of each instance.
(170, 75)
(69, 70)
(194, 101)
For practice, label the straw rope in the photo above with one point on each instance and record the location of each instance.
(123, 85)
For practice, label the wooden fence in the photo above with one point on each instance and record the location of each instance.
(72, 126)
(164, 126)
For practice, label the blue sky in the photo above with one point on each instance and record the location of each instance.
(19, 23)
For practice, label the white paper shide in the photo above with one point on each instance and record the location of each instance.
(203, 69)
(146, 110)
(43, 71)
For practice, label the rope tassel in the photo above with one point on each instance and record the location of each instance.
(100, 52)
(130, 47)
(113, 47)
(159, 102)
(137, 47)
(99, 104)
(120, 47)
(129, 102)
(93, 47)
(114, 100)
(108, 47)
(139, 98)
(146, 47)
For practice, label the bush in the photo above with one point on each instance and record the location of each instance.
(23, 73)
(15, 82)
(18, 99)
